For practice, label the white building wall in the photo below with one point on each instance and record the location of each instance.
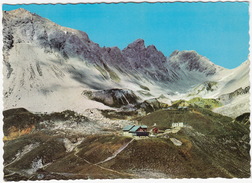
(127, 134)
(180, 124)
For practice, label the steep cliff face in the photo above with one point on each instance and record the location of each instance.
(148, 61)
(21, 26)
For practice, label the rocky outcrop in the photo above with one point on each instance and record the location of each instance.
(141, 57)
(18, 121)
(225, 98)
(112, 97)
(192, 61)
(235, 103)
(151, 105)
(148, 60)
(244, 118)
(204, 88)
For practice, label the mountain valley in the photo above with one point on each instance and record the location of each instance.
(67, 100)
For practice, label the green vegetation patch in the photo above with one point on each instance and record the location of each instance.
(108, 73)
(144, 93)
(179, 103)
(102, 71)
(112, 74)
(205, 103)
(198, 101)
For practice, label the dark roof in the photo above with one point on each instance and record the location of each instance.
(128, 127)
(142, 133)
(135, 128)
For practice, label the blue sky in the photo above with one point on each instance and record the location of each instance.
(218, 31)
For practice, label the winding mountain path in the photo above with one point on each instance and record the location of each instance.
(116, 153)
(108, 169)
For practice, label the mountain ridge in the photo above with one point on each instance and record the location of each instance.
(53, 58)
(139, 43)
(67, 101)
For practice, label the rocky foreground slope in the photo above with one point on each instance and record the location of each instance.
(71, 146)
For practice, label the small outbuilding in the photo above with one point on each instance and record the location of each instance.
(155, 130)
(179, 124)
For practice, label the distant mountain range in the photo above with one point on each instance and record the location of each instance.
(67, 100)
(47, 67)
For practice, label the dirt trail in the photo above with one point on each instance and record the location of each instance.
(108, 169)
(76, 151)
(75, 154)
(116, 153)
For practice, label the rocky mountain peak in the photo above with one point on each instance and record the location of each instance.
(19, 11)
(20, 16)
(192, 61)
(139, 50)
(186, 56)
(141, 57)
(174, 53)
(152, 48)
(137, 45)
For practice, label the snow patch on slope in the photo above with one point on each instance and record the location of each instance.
(235, 108)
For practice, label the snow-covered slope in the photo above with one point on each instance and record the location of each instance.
(236, 78)
(47, 67)
(237, 106)
(41, 82)
(231, 87)
(224, 82)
